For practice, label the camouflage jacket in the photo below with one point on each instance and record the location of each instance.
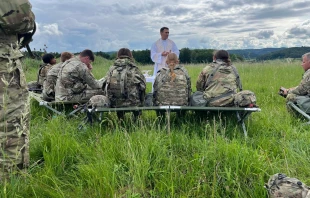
(43, 73)
(50, 82)
(304, 87)
(224, 80)
(73, 78)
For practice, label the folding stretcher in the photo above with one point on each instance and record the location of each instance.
(297, 109)
(241, 113)
(56, 106)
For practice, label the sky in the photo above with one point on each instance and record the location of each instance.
(108, 25)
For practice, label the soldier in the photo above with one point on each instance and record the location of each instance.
(16, 20)
(48, 61)
(75, 82)
(172, 85)
(303, 89)
(219, 81)
(51, 77)
(125, 85)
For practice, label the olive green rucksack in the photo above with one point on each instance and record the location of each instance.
(168, 91)
(125, 84)
(281, 186)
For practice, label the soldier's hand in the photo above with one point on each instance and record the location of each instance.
(283, 92)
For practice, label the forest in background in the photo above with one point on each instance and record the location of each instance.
(194, 56)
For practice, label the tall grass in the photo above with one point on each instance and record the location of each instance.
(200, 157)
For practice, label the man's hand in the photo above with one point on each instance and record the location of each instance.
(164, 53)
(283, 92)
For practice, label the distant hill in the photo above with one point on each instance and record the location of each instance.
(292, 52)
(253, 53)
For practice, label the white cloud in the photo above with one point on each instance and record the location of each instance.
(107, 25)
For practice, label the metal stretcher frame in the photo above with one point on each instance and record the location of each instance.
(296, 108)
(52, 105)
(241, 113)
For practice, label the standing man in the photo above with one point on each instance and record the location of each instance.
(161, 48)
(16, 20)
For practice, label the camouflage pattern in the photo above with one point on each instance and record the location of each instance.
(50, 82)
(99, 101)
(302, 89)
(281, 186)
(43, 73)
(76, 83)
(16, 17)
(245, 98)
(14, 104)
(168, 91)
(126, 84)
(222, 87)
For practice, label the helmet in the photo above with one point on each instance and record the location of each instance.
(99, 101)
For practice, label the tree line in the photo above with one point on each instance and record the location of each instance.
(187, 55)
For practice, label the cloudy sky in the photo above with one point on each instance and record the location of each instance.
(107, 25)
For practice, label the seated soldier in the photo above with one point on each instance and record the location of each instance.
(51, 78)
(75, 82)
(303, 89)
(300, 94)
(125, 83)
(48, 61)
(172, 84)
(219, 81)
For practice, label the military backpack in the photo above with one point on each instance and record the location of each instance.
(172, 91)
(227, 82)
(281, 186)
(125, 85)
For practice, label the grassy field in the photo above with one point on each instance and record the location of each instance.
(199, 158)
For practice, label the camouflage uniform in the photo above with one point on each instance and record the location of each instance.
(76, 83)
(303, 89)
(168, 91)
(50, 82)
(125, 84)
(14, 104)
(223, 85)
(43, 73)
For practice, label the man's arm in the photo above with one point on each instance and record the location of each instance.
(155, 55)
(89, 78)
(175, 49)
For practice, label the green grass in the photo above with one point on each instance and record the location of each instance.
(199, 158)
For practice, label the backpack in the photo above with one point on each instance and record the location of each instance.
(16, 17)
(172, 92)
(281, 186)
(227, 98)
(125, 85)
(245, 98)
(198, 100)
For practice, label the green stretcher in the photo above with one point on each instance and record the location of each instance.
(56, 106)
(241, 113)
(296, 108)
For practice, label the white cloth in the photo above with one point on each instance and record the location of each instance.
(159, 47)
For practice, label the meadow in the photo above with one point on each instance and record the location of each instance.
(200, 157)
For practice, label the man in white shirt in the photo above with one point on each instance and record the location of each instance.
(161, 48)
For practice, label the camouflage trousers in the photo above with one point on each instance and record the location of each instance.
(85, 95)
(14, 118)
